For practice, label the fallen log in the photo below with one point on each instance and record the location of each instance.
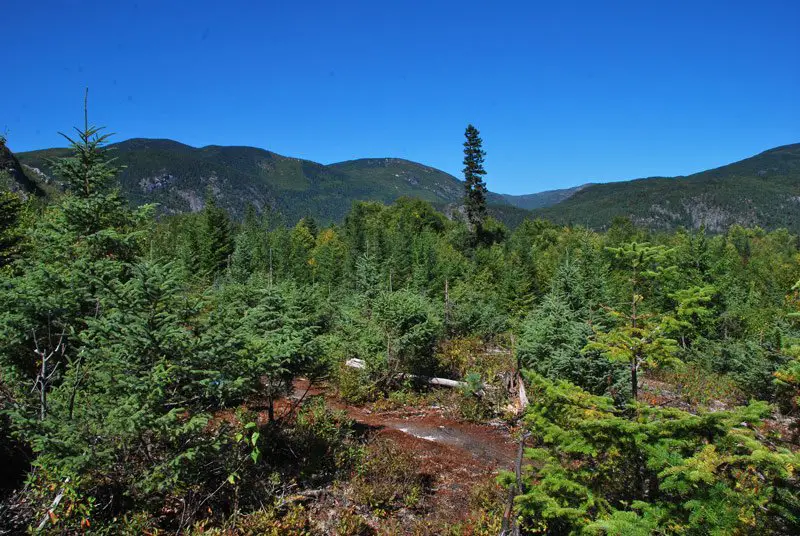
(443, 382)
(523, 395)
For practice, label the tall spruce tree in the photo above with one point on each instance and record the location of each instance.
(475, 187)
(216, 244)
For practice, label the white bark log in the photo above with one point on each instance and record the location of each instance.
(523, 396)
(356, 363)
(443, 382)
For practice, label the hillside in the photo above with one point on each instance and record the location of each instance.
(177, 177)
(763, 190)
(542, 199)
(12, 174)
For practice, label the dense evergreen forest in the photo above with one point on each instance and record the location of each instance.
(149, 368)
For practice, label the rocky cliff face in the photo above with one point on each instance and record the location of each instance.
(13, 176)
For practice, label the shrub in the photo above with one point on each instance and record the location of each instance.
(388, 478)
(355, 386)
(352, 524)
(322, 442)
(697, 386)
(293, 521)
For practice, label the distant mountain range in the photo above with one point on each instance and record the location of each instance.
(762, 190)
(177, 177)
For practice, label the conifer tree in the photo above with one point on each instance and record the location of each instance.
(11, 207)
(475, 187)
(215, 240)
(77, 246)
(133, 405)
(600, 470)
(250, 253)
(638, 340)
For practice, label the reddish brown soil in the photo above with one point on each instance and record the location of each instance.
(456, 455)
(427, 429)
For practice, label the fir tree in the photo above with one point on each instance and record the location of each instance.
(638, 339)
(250, 253)
(11, 209)
(597, 469)
(77, 247)
(475, 187)
(215, 241)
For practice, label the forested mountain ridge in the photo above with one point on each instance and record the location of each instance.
(543, 199)
(177, 177)
(763, 190)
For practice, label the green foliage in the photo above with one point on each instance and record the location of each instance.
(692, 313)
(475, 187)
(258, 338)
(354, 385)
(410, 328)
(214, 239)
(551, 343)
(388, 478)
(11, 228)
(598, 470)
(322, 442)
(636, 339)
(149, 366)
(130, 404)
(752, 192)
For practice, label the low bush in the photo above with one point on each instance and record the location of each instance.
(322, 443)
(355, 386)
(697, 386)
(389, 478)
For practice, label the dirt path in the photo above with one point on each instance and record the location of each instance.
(483, 444)
(457, 455)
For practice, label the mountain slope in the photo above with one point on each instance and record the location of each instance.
(542, 199)
(177, 177)
(763, 190)
(402, 177)
(12, 175)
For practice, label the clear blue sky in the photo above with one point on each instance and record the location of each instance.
(562, 92)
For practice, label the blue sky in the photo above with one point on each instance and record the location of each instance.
(562, 92)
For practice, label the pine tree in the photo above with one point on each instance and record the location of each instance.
(638, 339)
(475, 187)
(78, 246)
(215, 244)
(11, 208)
(598, 469)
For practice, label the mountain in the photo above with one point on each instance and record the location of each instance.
(763, 190)
(542, 199)
(13, 176)
(177, 177)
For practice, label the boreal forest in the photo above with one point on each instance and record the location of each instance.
(404, 369)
